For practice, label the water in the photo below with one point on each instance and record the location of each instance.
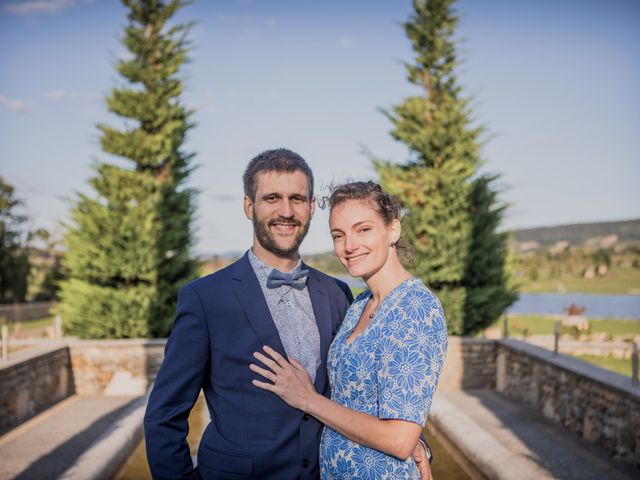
(597, 305)
(447, 464)
(603, 306)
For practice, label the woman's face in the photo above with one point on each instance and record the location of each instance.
(361, 240)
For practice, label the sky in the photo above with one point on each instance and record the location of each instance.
(553, 82)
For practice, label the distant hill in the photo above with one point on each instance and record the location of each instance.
(577, 234)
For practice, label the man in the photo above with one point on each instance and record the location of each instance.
(223, 318)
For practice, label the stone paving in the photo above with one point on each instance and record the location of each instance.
(47, 445)
(507, 440)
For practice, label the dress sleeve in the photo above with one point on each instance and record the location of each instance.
(412, 353)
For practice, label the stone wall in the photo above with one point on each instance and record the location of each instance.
(470, 363)
(115, 367)
(32, 381)
(600, 406)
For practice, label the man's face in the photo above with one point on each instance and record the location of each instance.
(281, 213)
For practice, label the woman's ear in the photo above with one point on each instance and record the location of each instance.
(395, 229)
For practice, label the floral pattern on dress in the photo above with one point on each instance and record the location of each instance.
(389, 370)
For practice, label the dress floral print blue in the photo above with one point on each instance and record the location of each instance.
(389, 370)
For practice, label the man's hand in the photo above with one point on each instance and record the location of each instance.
(420, 457)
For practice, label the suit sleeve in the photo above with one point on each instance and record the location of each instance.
(176, 389)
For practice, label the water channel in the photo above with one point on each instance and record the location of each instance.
(448, 464)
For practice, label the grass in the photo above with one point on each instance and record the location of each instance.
(543, 325)
(616, 281)
(618, 365)
(32, 324)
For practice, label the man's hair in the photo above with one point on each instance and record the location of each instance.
(277, 160)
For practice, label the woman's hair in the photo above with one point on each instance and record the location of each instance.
(386, 206)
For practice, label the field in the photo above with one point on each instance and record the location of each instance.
(618, 280)
(618, 365)
(543, 325)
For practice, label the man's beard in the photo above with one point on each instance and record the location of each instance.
(267, 240)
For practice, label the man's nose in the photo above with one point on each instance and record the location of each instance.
(285, 209)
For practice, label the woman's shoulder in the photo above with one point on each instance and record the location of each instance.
(418, 301)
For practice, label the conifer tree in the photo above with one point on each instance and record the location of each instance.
(14, 261)
(436, 185)
(128, 246)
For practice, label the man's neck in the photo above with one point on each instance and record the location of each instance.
(284, 264)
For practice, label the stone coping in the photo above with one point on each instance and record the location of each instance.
(125, 342)
(111, 450)
(25, 355)
(578, 367)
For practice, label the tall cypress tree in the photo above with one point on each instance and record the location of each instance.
(436, 185)
(128, 246)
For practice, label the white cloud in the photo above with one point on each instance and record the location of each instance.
(346, 41)
(70, 95)
(36, 7)
(14, 105)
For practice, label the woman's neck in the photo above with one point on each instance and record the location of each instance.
(386, 279)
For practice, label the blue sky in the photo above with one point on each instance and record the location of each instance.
(555, 83)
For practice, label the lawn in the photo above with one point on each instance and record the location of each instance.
(616, 281)
(618, 365)
(543, 325)
(32, 324)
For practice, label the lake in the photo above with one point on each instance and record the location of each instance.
(596, 305)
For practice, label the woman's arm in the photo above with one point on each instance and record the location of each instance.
(291, 382)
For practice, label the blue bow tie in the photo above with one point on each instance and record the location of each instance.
(297, 280)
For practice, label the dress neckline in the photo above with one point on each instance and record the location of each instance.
(382, 309)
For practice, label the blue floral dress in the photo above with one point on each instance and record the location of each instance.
(389, 370)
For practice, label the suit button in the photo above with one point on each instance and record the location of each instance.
(305, 417)
(305, 463)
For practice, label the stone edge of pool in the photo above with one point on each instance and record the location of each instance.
(106, 456)
(479, 448)
(109, 453)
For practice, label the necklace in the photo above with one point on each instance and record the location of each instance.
(373, 312)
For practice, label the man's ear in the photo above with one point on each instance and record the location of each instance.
(312, 206)
(248, 207)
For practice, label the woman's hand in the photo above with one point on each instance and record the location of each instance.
(290, 380)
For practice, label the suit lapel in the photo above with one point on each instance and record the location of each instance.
(322, 311)
(255, 306)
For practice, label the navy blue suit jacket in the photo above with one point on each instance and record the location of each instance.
(221, 320)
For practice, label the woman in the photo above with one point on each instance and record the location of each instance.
(385, 360)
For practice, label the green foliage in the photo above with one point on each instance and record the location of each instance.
(451, 219)
(14, 262)
(46, 273)
(129, 245)
(487, 278)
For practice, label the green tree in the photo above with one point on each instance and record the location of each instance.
(128, 247)
(45, 259)
(452, 217)
(14, 263)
